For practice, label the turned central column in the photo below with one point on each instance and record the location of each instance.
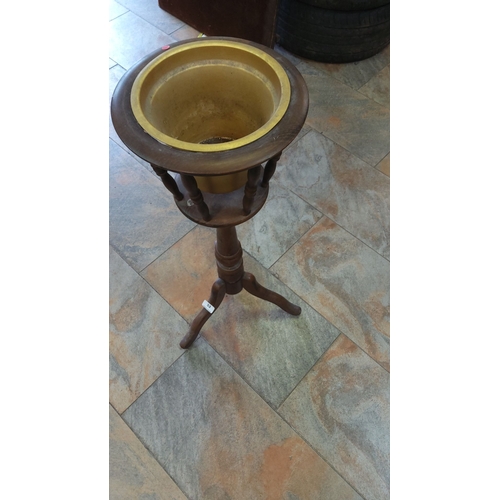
(229, 257)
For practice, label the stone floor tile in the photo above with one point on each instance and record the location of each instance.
(345, 281)
(355, 74)
(342, 409)
(348, 190)
(132, 38)
(385, 165)
(271, 349)
(378, 87)
(184, 274)
(111, 63)
(282, 221)
(144, 334)
(150, 11)
(184, 33)
(218, 440)
(133, 473)
(143, 218)
(116, 9)
(349, 118)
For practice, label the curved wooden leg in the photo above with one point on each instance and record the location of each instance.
(216, 296)
(251, 285)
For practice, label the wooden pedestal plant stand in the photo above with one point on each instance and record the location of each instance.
(221, 181)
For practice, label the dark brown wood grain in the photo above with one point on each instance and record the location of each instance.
(168, 182)
(253, 20)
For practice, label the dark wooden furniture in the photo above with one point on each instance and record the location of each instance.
(253, 20)
(220, 211)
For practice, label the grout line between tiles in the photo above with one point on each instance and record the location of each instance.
(340, 225)
(120, 15)
(167, 249)
(310, 305)
(319, 454)
(150, 452)
(275, 411)
(300, 434)
(150, 23)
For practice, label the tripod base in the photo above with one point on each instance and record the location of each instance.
(232, 279)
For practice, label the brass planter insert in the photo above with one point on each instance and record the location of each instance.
(211, 95)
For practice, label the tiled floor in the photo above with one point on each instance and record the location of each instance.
(264, 405)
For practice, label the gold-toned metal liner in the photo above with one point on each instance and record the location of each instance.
(253, 83)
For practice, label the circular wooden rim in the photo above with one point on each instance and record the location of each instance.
(209, 163)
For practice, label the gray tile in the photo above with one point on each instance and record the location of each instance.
(132, 38)
(349, 118)
(133, 473)
(270, 348)
(144, 220)
(111, 63)
(342, 186)
(144, 334)
(342, 409)
(218, 440)
(378, 88)
(150, 11)
(345, 281)
(283, 220)
(116, 9)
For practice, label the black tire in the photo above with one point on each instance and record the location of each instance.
(330, 35)
(346, 4)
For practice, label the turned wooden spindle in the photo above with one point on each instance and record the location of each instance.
(269, 170)
(251, 188)
(168, 181)
(196, 195)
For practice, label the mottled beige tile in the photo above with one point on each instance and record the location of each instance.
(378, 88)
(144, 334)
(133, 473)
(342, 186)
(185, 273)
(218, 440)
(355, 74)
(283, 220)
(385, 165)
(132, 38)
(342, 409)
(345, 281)
(143, 218)
(116, 9)
(349, 118)
(150, 11)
